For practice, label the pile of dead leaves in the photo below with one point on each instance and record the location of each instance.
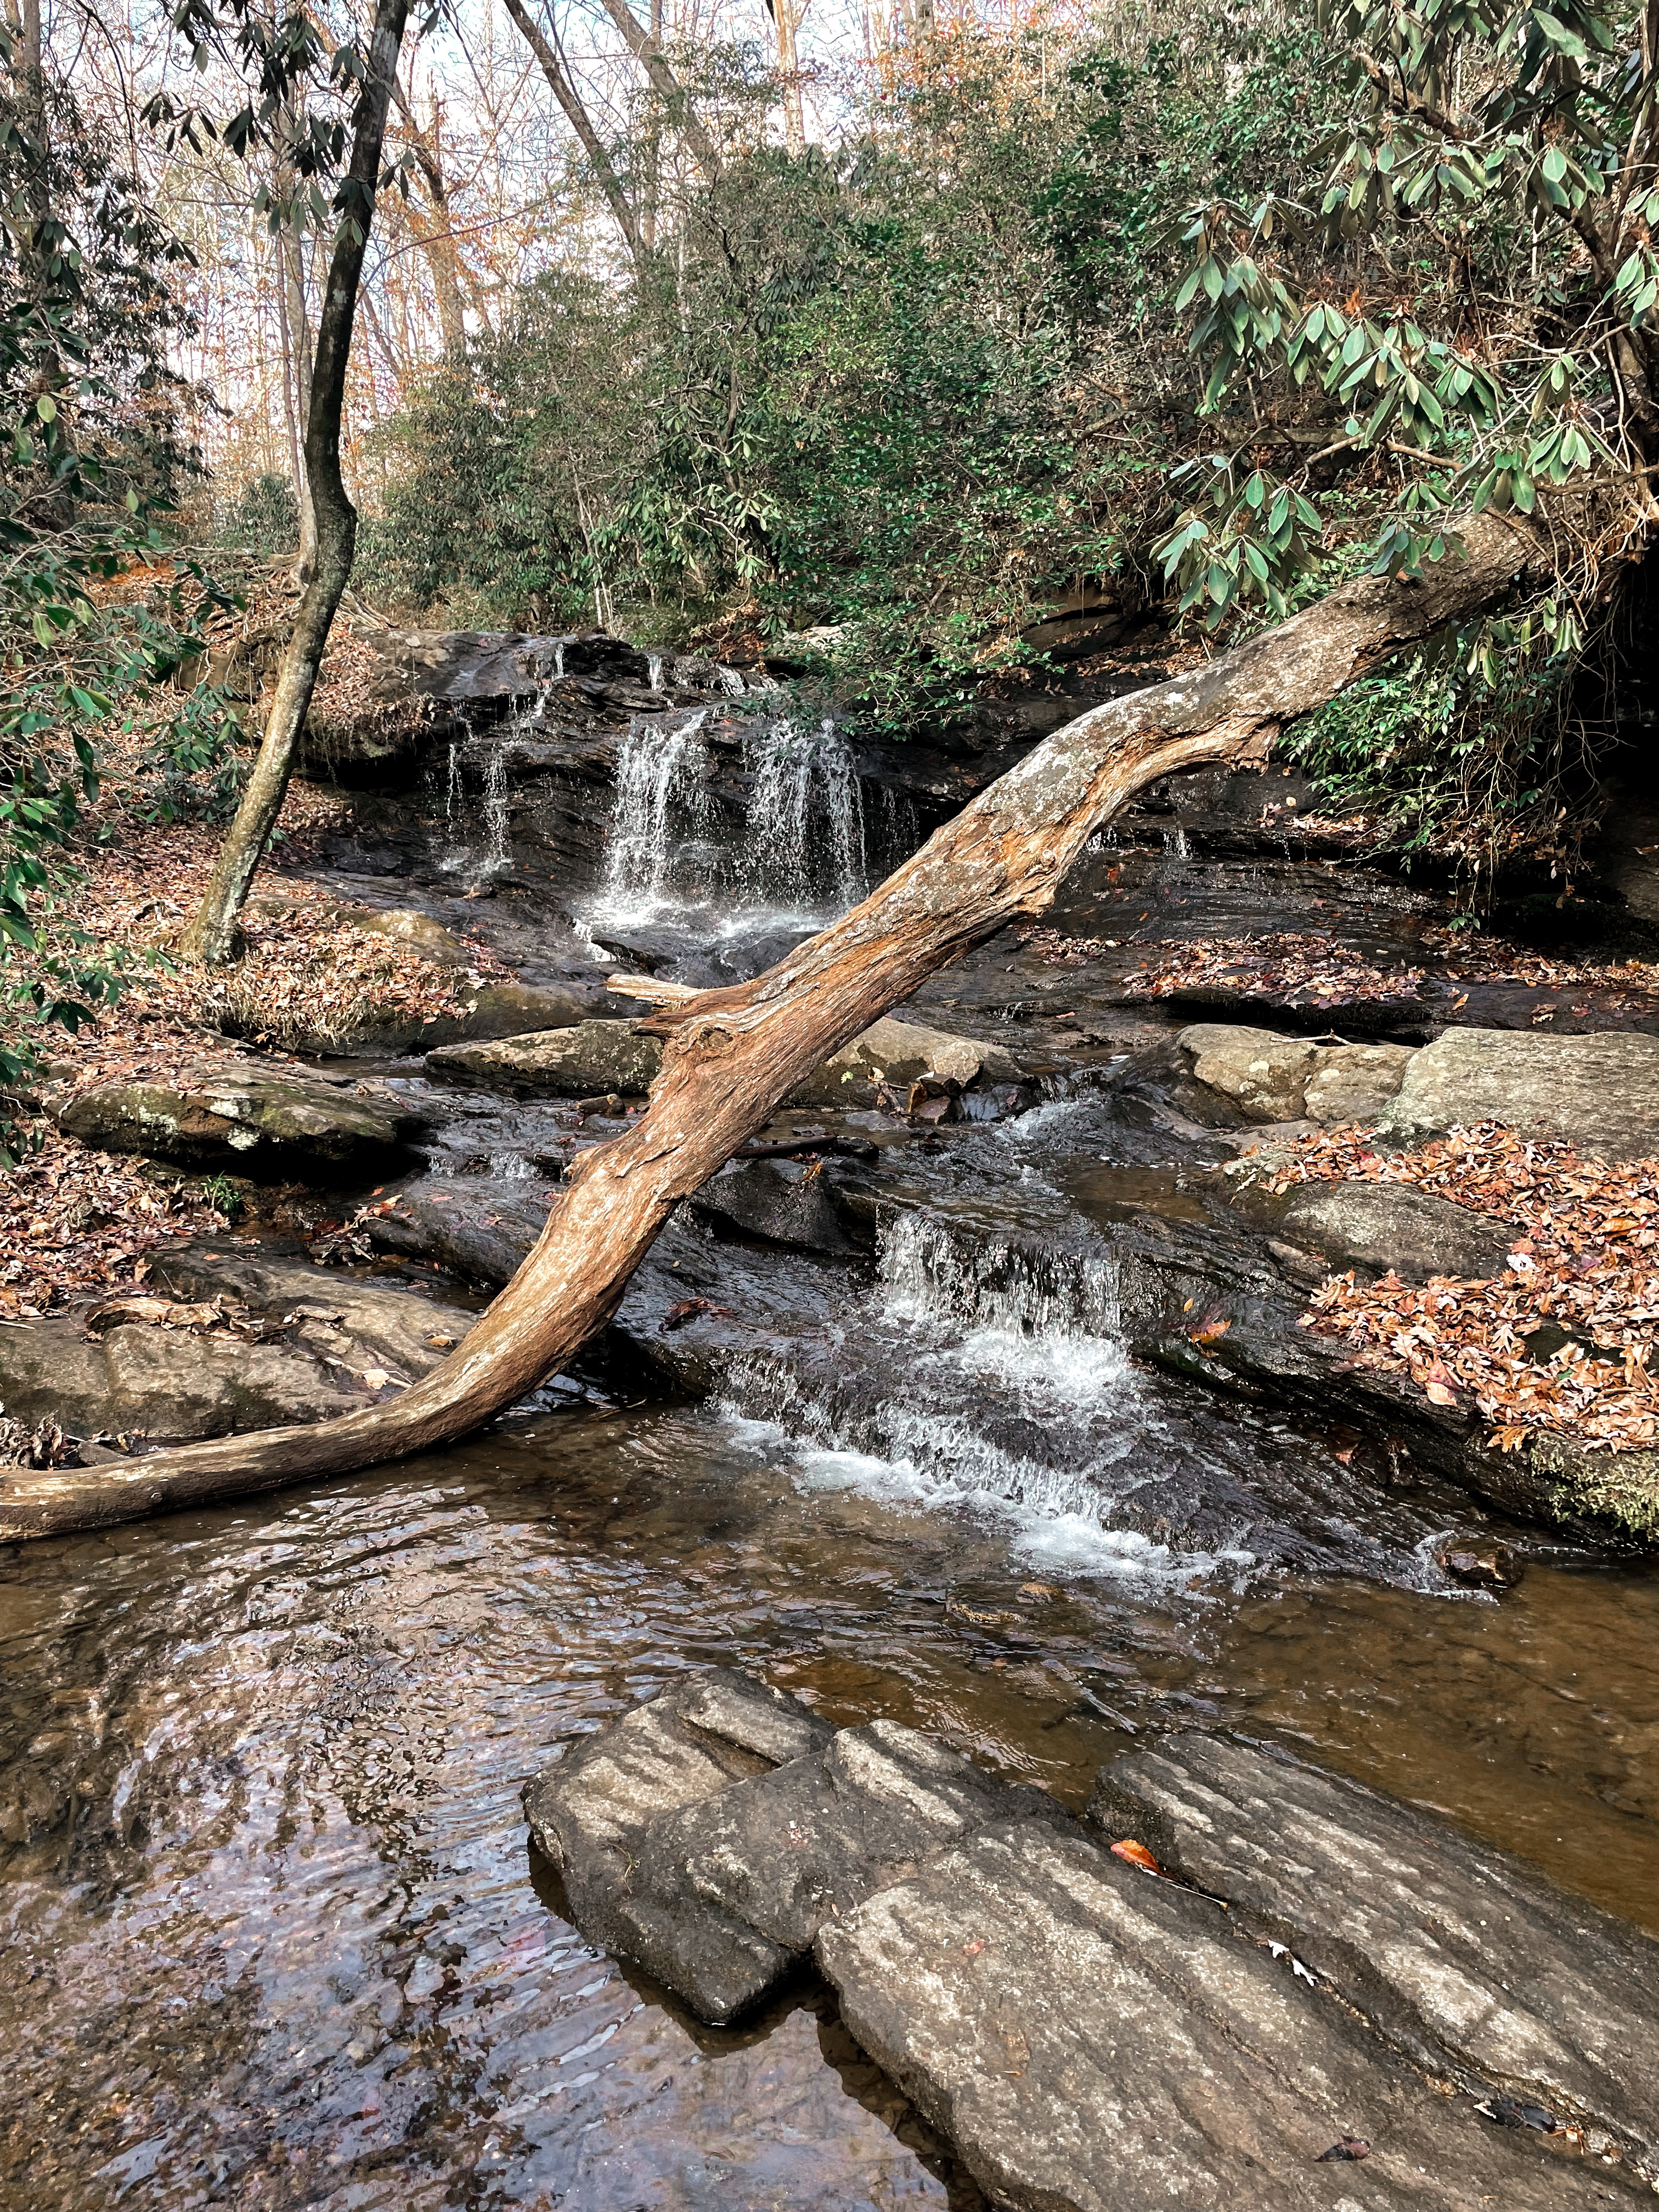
(1290, 969)
(1308, 970)
(1584, 1269)
(308, 973)
(75, 1221)
(1628, 985)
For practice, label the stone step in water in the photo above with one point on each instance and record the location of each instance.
(1093, 2036)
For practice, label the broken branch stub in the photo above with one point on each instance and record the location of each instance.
(732, 1055)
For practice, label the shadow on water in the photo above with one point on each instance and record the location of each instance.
(274, 1933)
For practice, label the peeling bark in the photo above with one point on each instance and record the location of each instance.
(732, 1055)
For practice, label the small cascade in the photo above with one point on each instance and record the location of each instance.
(1175, 843)
(558, 659)
(662, 798)
(730, 681)
(453, 784)
(990, 1378)
(804, 836)
(654, 671)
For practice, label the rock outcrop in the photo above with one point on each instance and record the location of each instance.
(249, 1343)
(256, 1117)
(1094, 2037)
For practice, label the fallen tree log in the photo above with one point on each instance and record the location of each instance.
(732, 1055)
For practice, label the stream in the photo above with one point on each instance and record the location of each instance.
(281, 1941)
(274, 1934)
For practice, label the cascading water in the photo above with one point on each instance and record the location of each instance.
(991, 1379)
(654, 671)
(662, 798)
(804, 836)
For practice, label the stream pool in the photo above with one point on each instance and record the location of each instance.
(274, 1935)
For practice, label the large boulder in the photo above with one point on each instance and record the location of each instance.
(1600, 1092)
(259, 1118)
(289, 1342)
(586, 1060)
(1472, 1962)
(1379, 1225)
(898, 1054)
(1272, 1077)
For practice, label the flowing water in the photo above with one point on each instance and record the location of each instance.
(274, 1934)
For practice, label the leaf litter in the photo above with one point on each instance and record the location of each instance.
(1585, 1259)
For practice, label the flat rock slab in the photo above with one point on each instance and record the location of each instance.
(1092, 2037)
(1600, 1092)
(1378, 1225)
(687, 1846)
(344, 1345)
(1468, 1958)
(256, 1119)
(1094, 2040)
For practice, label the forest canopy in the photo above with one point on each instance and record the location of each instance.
(884, 336)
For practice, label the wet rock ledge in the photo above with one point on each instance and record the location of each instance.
(1326, 1998)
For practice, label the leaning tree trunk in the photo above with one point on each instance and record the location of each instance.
(732, 1055)
(210, 935)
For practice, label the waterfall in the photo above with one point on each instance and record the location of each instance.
(731, 680)
(1175, 842)
(558, 659)
(654, 671)
(804, 830)
(453, 788)
(662, 787)
(496, 812)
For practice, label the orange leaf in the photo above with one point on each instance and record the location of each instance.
(1438, 1394)
(1137, 1854)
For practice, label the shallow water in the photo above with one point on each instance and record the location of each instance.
(274, 1935)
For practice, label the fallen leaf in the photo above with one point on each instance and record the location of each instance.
(1137, 1855)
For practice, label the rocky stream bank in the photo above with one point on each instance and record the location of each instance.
(1251, 1245)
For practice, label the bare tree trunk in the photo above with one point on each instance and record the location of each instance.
(732, 1055)
(554, 68)
(437, 239)
(645, 46)
(212, 933)
(297, 323)
(787, 16)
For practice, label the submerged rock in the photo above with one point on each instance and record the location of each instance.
(261, 1119)
(1469, 1961)
(1600, 1092)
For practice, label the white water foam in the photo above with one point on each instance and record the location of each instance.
(967, 1325)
